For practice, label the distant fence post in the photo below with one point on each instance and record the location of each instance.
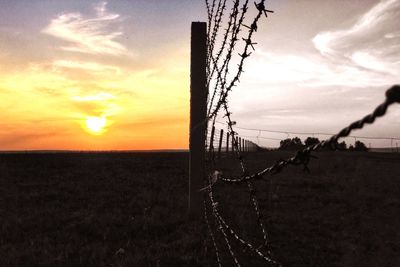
(227, 143)
(211, 149)
(221, 136)
(198, 117)
(233, 144)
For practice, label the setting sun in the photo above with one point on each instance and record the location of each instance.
(96, 125)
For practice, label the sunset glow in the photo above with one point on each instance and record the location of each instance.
(79, 78)
(96, 125)
(96, 75)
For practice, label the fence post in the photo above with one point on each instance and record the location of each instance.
(221, 136)
(227, 143)
(198, 115)
(233, 144)
(211, 147)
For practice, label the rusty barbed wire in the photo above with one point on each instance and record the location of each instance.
(302, 157)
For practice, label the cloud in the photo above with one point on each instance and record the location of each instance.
(367, 54)
(92, 35)
(101, 104)
(368, 51)
(87, 66)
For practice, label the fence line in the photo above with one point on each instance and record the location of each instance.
(219, 78)
(312, 133)
(219, 70)
(220, 141)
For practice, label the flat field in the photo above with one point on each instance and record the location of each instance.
(129, 209)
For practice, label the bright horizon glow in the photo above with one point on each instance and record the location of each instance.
(96, 125)
(82, 76)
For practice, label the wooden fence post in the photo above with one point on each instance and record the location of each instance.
(233, 144)
(198, 116)
(221, 136)
(211, 147)
(227, 143)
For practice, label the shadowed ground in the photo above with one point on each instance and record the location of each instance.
(128, 209)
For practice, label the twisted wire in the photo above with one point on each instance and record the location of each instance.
(223, 71)
(241, 240)
(214, 206)
(248, 43)
(221, 82)
(302, 157)
(211, 233)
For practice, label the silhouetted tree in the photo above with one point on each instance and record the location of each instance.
(360, 146)
(291, 144)
(311, 141)
(341, 146)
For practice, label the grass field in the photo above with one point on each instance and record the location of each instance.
(129, 209)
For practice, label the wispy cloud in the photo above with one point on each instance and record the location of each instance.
(93, 35)
(101, 104)
(367, 51)
(87, 66)
(367, 54)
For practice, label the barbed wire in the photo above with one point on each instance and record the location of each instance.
(219, 61)
(224, 92)
(222, 87)
(302, 157)
(307, 133)
(211, 233)
(218, 67)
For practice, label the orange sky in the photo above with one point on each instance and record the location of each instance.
(81, 78)
(92, 75)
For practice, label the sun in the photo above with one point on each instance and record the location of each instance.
(96, 125)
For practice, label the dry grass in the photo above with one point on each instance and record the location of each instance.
(128, 209)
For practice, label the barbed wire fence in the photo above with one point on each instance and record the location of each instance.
(225, 66)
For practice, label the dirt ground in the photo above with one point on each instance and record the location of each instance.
(129, 209)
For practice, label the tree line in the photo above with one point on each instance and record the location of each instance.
(296, 144)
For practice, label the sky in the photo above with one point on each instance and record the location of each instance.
(96, 75)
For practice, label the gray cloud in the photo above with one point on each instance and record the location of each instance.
(369, 49)
(93, 35)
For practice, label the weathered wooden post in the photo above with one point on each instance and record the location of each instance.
(227, 143)
(211, 147)
(221, 136)
(198, 115)
(233, 144)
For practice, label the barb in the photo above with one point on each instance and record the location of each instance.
(242, 241)
(211, 233)
(214, 206)
(235, 23)
(306, 133)
(302, 157)
(224, 92)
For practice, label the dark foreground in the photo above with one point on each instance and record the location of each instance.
(129, 209)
